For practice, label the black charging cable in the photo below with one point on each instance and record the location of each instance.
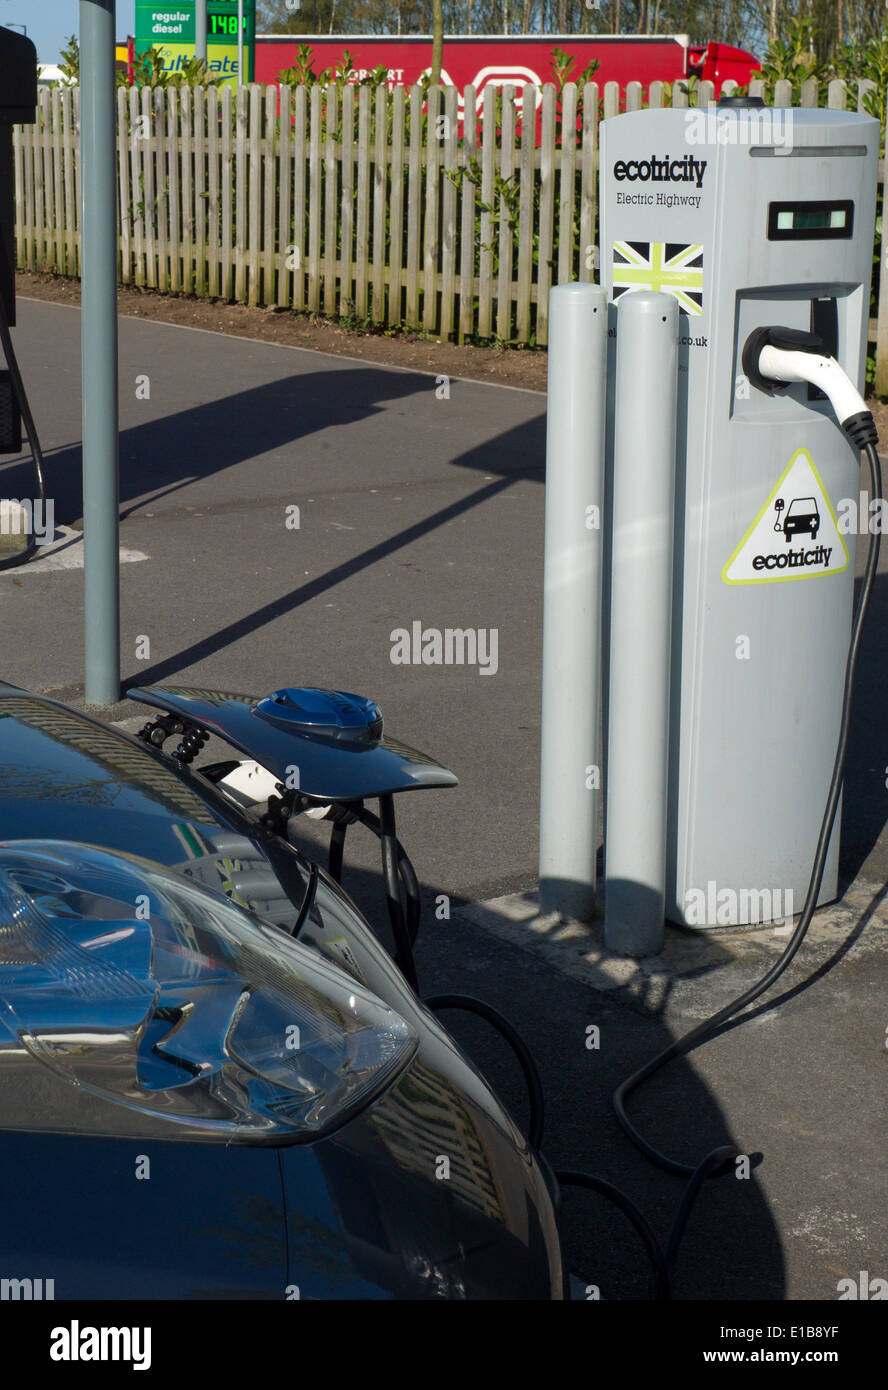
(18, 386)
(718, 1161)
(662, 1286)
(469, 1004)
(721, 1160)
(708, 1029)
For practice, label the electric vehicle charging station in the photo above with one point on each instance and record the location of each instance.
(750, 232)
(733, 430)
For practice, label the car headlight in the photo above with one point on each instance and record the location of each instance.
(142, 988)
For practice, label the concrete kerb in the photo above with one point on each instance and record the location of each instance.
(697, 972)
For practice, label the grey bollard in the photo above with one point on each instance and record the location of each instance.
(637, 765)
(569, 776)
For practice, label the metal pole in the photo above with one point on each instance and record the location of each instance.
(569, 774)
(200, 30)
(240, 43)
(640, 622)
(101, 579)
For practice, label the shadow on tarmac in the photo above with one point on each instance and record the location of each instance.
(732, 1248)
(163, 455)
(514, 455)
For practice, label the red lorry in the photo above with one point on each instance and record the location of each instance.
(515, 59)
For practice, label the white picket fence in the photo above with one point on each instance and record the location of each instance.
(387, 207)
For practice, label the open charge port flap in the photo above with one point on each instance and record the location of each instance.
(830, 310)
(825, 323)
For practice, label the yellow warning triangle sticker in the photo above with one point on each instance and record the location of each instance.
(794, 536)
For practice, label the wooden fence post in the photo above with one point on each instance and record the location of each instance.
(488, 154)
(589, 182)
(331, 201)
(271, 259)
(362, 216)
(448, 213)
(380, 190)
(547, 210)
(396, 210)
(430, 242)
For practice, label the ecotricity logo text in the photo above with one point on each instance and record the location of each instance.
(817, 556)
(754, 125)
(665, 170)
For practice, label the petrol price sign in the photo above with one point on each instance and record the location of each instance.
(158, 24)
(170, 28)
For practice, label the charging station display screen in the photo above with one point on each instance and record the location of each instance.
(810, 221)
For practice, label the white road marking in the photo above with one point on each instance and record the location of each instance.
(65, 553)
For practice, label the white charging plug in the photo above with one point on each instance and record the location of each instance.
(775, 358)
(822, 372)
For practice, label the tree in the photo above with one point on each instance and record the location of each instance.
(437, 40)
(70, 62)
(748, 23)
(294, 16)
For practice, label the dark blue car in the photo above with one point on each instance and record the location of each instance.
(214, 1081)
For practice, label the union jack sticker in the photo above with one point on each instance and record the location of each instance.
(671, 267)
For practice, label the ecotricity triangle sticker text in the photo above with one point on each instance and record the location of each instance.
(794, 536)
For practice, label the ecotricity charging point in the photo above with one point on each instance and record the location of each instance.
(751, 219)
